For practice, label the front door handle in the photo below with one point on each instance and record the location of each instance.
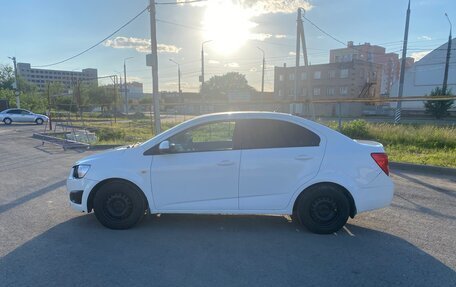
(303, 157)
(225, 163)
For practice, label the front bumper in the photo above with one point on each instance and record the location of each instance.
(78, 192)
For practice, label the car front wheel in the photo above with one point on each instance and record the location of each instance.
(323, 209)
(119, 205)
(39, 121)
(7, 121)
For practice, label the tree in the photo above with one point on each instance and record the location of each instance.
(439, 109)
(218, 87)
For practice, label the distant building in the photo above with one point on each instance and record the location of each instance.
(40, 77)
(134, 91)
(374, 54)
(353, 79)
(426, 74)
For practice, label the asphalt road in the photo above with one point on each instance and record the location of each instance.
(45, 243)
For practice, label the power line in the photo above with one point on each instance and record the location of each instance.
(98, 43)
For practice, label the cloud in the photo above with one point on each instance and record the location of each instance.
(260, 7)
(163, 48)
(139, 44)
(419, 55)
(253, 69)
(260, 36)
(424, 37)
(280, 36)
(214, 62)
(275, 6)
(292, 53)
(232, 65)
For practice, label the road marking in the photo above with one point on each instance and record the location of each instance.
(348, 231)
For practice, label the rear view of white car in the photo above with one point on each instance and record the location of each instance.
(236, 163)
(20, 115)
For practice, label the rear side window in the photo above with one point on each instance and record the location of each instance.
(260, 134)
(14, 112)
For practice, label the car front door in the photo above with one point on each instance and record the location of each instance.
(27, 116)
(277, 158)
(200, 171)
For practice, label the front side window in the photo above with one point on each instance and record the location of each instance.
(15, 112)
(265, 134)
(216, 136)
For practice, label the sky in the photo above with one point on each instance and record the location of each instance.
(48, 31)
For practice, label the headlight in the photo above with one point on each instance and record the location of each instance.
(79, 171)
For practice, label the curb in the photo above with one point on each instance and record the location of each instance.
(423, 168)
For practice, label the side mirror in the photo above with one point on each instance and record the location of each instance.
(164, 147)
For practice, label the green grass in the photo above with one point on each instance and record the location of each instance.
(420, 144)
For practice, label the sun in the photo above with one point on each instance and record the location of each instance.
(228, 26)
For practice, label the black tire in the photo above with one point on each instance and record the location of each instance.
(7, 121)
(39, 121)
(119, 205)
(323, 209)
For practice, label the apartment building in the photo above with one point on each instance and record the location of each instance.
(371, 53)
(354, 79)
(40, 77)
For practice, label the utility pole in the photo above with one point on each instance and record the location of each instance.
(298, 51)
(16, 83)
(397, 116)
(262, 74)
(202, 62)
(447, 63)
(153, 46)
(125, 85)
(49, 104)
(306, 64)
(178, 76)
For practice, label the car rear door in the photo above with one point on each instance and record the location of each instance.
(277, 158)
(15, 115)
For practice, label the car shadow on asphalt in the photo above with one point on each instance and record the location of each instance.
(189, 250)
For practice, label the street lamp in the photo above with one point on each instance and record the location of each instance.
(202, 61)
(447, 63)
(125, 85)
(262, 74)
(178, 76)
(16, 83)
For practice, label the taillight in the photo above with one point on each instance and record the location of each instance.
(382, 160)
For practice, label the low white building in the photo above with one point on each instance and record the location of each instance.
(426, 74)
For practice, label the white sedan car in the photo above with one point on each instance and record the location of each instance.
(20, 115)
(236, 163)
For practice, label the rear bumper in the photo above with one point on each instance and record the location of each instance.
(378, 194)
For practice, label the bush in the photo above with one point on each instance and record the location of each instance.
(357, 129)
(109, 134)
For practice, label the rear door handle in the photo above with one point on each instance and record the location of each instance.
(225, 163)
(303, 157)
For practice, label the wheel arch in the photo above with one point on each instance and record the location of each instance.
(108, 180)
(340, 187)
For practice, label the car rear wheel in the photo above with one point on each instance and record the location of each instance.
(119, 205)
(39, 121)
(323, 209)
(7, 121)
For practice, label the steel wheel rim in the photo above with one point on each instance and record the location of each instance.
(324, 210)
(118, 206)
